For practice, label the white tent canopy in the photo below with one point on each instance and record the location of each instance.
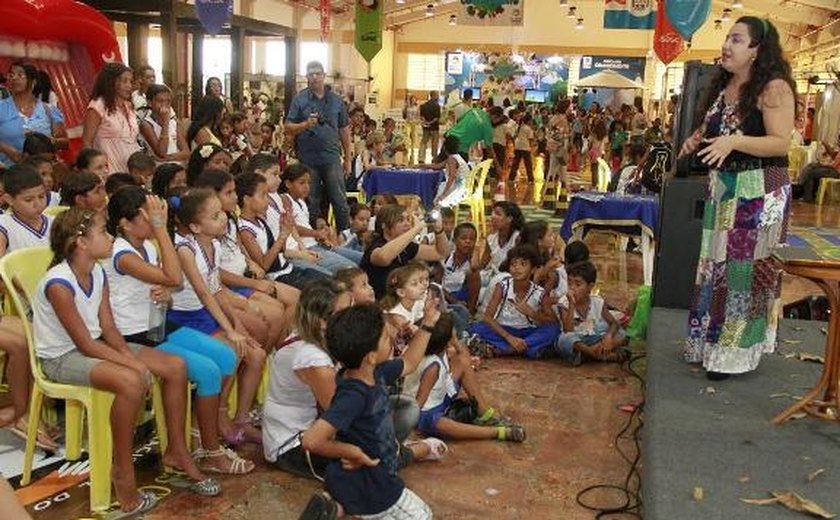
(608, 79)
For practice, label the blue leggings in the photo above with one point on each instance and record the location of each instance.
(208, 359)
(536, 338)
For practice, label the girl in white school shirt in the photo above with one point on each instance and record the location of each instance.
(79, 344)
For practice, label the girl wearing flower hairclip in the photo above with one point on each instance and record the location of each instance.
(207, 157)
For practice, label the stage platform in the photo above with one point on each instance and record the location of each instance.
(717, 435)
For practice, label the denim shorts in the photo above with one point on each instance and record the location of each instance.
(74, 368)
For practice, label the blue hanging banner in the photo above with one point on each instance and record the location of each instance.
(214, 14)
(687, 16)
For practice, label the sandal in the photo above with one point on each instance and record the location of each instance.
(42, 439)
(320, 507)
(238, 465)
(208, 487)
(492, 418)
(148, 501)
(512, 433)
(481, 349)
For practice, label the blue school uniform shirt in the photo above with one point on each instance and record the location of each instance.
(320, 144)
(361, 414)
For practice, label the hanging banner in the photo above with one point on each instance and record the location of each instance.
(667, 42)
(629, 14)
(368, 28)
(687, 15)
(213, 14)
(325, 20)
(497, 13)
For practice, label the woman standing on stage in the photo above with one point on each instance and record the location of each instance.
(744, 140)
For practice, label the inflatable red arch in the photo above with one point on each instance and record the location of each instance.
(67, 39)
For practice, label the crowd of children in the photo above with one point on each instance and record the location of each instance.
(205, 266)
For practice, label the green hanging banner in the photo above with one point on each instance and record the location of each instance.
(368, 28)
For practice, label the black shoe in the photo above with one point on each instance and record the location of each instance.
(320, 507)
(717, 376)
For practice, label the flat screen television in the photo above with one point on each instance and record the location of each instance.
(476, 92)
(535, 96)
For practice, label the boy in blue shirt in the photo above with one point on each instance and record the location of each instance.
(357, 431)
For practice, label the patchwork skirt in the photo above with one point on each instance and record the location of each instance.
(735, 310)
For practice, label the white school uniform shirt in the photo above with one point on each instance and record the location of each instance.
(53, 198)
(130, 297)
(507, 314)
(290, 407)
(259, 230)
(444, 384)
(208, 267)
(454, 274)
(51, 339)
(413, 314)
(19, 234)
(274, 212)
(498, 252)
(301, 214)
(172, 133)
(232, 258)
(594, 319)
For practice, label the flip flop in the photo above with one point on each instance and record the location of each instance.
(148, 501)
(18, 432)
(320, 507)
(209, 487)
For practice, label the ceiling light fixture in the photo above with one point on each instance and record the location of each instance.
(737, 4)
(572, 12)
(726, 13)
(430, 10)
(579, 24)
(718, 25)
(453, 20)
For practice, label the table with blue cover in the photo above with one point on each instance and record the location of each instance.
(633, 215)
(403, 181)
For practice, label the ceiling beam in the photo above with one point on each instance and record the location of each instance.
(412, 5)
(419, 16)
(828, 5)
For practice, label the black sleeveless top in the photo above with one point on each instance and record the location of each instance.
(723, 119)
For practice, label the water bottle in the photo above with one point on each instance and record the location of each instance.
(157, 322)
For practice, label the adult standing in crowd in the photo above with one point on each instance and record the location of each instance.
(144, 77)
(23, 113)
(318, 119)
(464, 106)
(213, 88)
(111, 124)
(746, 134)
(411, 114)
(430, 121)
(206, 118)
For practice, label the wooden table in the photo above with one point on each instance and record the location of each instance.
(823, 401)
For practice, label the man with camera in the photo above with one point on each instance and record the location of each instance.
(318, 120)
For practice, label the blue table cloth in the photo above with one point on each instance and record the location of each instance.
(629, 214)
(399, 181)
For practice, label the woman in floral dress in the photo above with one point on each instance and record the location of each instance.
(744, 140)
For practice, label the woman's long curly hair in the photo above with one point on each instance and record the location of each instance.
(105, 86)
(769, 64)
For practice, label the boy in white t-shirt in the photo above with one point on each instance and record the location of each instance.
(25, 225)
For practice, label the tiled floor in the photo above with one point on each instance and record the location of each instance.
(572, 418)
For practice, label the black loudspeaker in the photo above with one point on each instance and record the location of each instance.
(691, 108)
(678, 243)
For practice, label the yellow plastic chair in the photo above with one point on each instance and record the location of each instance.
(53, 211)
(358, 195)
(475, 199)
(21, 271)
(826, 184)
(262, 391)
(471, 178)
(604, 172)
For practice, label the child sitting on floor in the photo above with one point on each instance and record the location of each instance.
(518, 319)
(441, 376)
(591, 330)
(404, 300)
(356, 432)
(356, 235)
(357, 283)
(459, 275)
